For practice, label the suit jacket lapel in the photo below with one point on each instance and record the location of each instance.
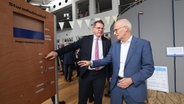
(131, 50)
(104, 46)
(117, 53)
(90, 44)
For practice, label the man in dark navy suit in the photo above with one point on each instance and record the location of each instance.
(89, 78)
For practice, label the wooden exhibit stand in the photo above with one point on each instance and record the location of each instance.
(26, 36)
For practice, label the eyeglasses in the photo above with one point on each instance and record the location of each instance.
(99, 28)
(115, 30)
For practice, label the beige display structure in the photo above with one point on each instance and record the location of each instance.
(26, 36)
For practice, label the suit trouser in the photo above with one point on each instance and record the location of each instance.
(95, 80)
(118, 95)
(68, 69)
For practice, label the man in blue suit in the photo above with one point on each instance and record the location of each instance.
(132, 64)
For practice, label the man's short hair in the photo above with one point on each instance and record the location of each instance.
(98, 21)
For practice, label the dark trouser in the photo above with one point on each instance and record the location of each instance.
(53, 99)
(68, 69)
(95, 80)
(91, 94)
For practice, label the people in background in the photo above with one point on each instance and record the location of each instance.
(77, 55)
(60, 63)
(83, 13)
(69, 62)
(60, 60)
(89, 78)
(80, 15)
(132, 62)
(86, 13)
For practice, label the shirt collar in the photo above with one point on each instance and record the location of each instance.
(128, 41)
(95, 37)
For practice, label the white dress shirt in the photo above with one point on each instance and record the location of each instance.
(123, 55)
(100, 52)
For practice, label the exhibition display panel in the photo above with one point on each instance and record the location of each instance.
(26, 36)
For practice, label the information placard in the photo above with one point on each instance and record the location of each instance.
(159, 79)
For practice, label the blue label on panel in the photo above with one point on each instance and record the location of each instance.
(29, 34)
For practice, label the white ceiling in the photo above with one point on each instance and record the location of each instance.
(41, 2)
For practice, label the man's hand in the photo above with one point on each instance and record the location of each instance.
(51, 55)
(83, 63)
(125, 82)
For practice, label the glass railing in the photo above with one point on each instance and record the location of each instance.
(124, 7)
